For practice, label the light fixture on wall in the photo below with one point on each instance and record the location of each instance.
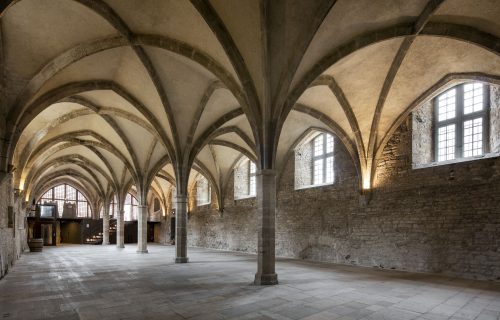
(366, 182)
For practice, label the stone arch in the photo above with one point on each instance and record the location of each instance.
(303, 137)
(427, 95)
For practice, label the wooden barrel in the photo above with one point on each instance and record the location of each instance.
(36, 245)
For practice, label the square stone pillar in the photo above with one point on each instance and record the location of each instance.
(266, 210)
(181, 229)
(120, 229)
(142, 229)
(105, 225)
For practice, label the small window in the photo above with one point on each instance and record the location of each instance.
(10, 217)
(314, 161)
(202, 191)
(322, 169)
(252, 182)
(156, 205)
(461, 122)
(245, 180)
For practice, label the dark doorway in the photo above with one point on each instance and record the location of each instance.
(130, 231)
(71, 232)
(151, 232)
(172, 228)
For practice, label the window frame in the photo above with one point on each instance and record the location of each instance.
(459, 121)
(324, 156)
(252, 176)
(132, 204)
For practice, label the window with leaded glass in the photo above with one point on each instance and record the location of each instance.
(461, 122)
(322, 159)
(130, 208)
(66, 194)
(252, 182)
(245, 180)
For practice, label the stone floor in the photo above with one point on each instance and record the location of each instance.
(101, 282)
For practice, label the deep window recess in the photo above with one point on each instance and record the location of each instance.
(322, 159)
(156, 205)
(461, 124)
(202, 191)
(245, 183)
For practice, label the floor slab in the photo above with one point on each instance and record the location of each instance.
(103, 282)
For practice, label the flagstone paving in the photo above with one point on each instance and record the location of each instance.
(103, 282)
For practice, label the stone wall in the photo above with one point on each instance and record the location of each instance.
(12, 238)
(494, 118)
(241, 180)
(303, 162)
(441, 219)
(233, 229)
(422, 136)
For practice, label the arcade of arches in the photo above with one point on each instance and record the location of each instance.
(364, 132)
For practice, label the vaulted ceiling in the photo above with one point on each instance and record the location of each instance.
(116, 93)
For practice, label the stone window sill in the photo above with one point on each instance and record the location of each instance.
(203, 204)
(245, 197)
(315, 186)
(461, 160)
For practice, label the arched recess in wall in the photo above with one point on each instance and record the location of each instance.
(430, 93)
(244, 178)
(304, 139)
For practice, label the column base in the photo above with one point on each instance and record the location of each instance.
(142, 251)
(120, 246)
(181, 260)
(105, 243)
(265, 279)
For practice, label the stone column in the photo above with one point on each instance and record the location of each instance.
(266, 210)
(120, 228)
(105, 225)
(142, 229)
(181, 229)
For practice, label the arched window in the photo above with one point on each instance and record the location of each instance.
(314, 161)
(203, 191)
(69, 201)
(245, 185)
(130, 208)
(460, 124)
(113, 208)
